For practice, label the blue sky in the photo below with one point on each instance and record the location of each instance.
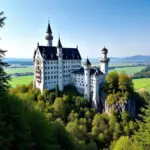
(122, 26)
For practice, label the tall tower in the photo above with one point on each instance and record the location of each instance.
(104, 61)
(49, 36)
(60, 66)
(95, 98)
(87, 69)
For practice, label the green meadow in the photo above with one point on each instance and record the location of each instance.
(142, 84)
(21, 80)
(18, 70)
(129, 70)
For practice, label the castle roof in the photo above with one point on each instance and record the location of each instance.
(105, 50)
(87, 62)
(48, 29)
(93, 71)
(59, 44)
(50, 53)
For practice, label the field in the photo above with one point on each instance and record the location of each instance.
(129, 70)
(18, 70)
(21, 80)
(142, 84)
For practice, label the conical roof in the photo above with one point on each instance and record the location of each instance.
(59, 44)
(87, 62)
(49, 29)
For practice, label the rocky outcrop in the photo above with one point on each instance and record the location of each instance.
(128, 105)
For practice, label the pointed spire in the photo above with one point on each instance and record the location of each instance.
(59, 43)
(49, 28)
(77, 46)
(87, 62)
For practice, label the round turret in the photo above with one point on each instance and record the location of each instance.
(48, 36)
(104, 51)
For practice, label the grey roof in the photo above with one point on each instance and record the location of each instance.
(87, 62)
(49, 29)
(59, 44)
(50, 53)
(104, 50)
(93, 71)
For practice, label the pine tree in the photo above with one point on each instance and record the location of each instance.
(57, 90)
(4, 77)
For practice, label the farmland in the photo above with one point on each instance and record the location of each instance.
(142, 84)
(21, 80)
(18, 70)
(129, 70)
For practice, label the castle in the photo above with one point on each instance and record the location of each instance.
(57, 65)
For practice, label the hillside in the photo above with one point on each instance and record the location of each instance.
(134, 58)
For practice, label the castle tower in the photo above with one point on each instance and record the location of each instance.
(49, 36)
(104, 61)
(87, 68)
(60, 66)
(95, 98)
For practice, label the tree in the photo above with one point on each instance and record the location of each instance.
(62, 137)
(22, 127)
(57, 90)
(59, 108)
(146, 96)
(124, 143)
(78, 129)
(112, 81)
(125, 82)
(100, 129)
(4, 77)
(142, 136)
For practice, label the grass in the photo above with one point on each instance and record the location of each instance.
(129, 70)
(21, 80)
(18, 70)
(142, 84)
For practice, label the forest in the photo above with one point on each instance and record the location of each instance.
(58, 120)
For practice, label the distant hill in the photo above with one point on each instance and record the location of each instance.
(17, 59)
(136, 58)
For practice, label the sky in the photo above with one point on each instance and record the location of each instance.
(122, 26)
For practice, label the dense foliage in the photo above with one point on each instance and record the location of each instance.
(4, 78)
(83, 124)
(119, 87)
